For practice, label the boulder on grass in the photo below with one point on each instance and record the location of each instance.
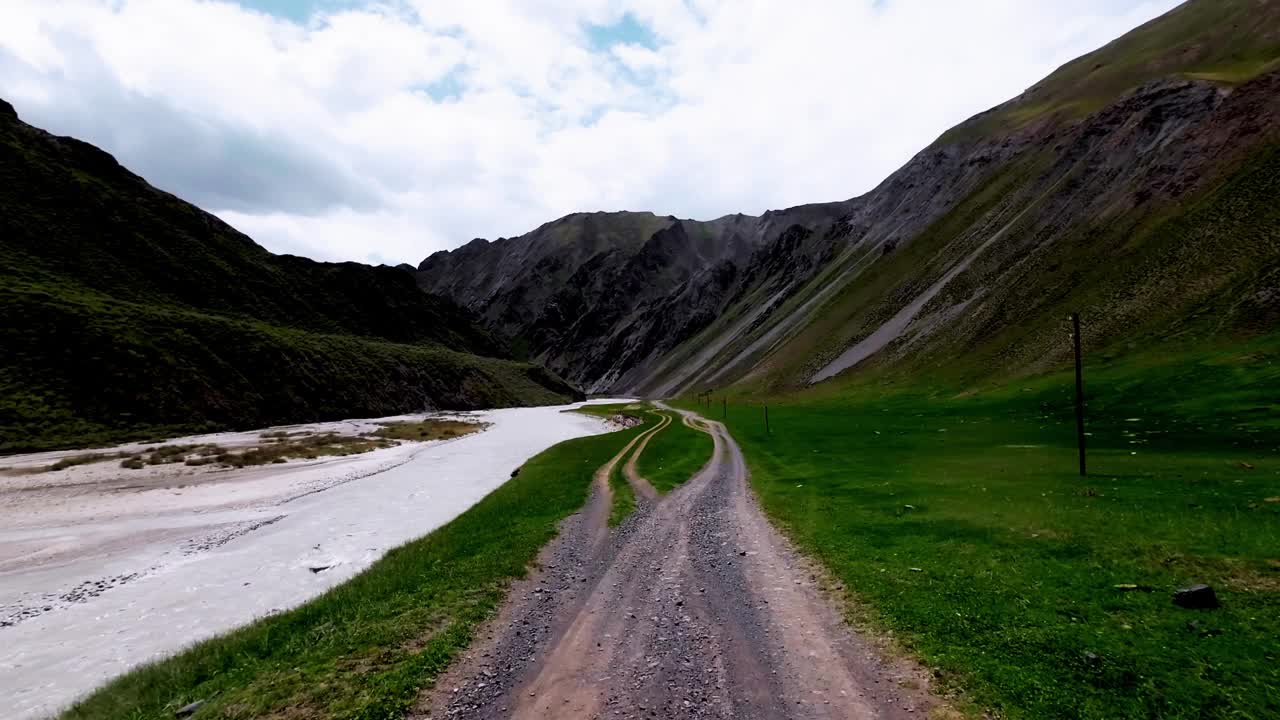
(1196, 597)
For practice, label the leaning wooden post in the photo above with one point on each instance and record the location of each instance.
(1075, 321)
(766, 419)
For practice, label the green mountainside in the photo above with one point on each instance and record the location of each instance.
(1225, 41)
(1135, 185)
(128, 312)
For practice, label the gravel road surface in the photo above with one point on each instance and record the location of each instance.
(695, 607)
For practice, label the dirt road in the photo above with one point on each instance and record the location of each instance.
(694, 607)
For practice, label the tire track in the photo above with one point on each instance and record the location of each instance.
(696, 607)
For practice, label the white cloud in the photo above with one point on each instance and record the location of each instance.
(638, 58)
(388, 131)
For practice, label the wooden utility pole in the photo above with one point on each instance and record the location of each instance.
(766, 419)
(1075, 322)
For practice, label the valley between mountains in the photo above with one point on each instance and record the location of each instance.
(831, 466)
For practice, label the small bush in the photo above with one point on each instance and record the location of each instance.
(75, 460)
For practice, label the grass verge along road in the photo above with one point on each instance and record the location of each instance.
(674, 455)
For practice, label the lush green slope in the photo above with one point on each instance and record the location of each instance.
(956, 518)
(1204, 269)
(1154, 217)
(1227, 41)
(365, 648)
(129, 312)
(85, 369)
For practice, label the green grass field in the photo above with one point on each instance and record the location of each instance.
(624, 498)
(365, 648)
(674, 455)
(956, 519)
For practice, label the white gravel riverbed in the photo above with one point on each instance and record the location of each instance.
(104, 568)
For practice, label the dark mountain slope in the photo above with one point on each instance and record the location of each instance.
(562, 291)
(128, 311)
(73, 215)
(1133, 185)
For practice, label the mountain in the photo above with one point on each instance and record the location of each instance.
(1135, 185)
(581, 294)
(128, 312)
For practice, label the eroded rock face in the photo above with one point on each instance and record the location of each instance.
(588, 294)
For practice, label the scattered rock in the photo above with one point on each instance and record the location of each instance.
(515, 472)
(1195, 627)
(1245, 466)
(319, 568)
(1196, 597)
(189, 709)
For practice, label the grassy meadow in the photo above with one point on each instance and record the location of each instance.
(674, 455)
(624, 498)
(956, 519)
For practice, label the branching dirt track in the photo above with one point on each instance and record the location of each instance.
(695, 607)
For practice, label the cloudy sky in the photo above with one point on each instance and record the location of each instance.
(383, 131)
